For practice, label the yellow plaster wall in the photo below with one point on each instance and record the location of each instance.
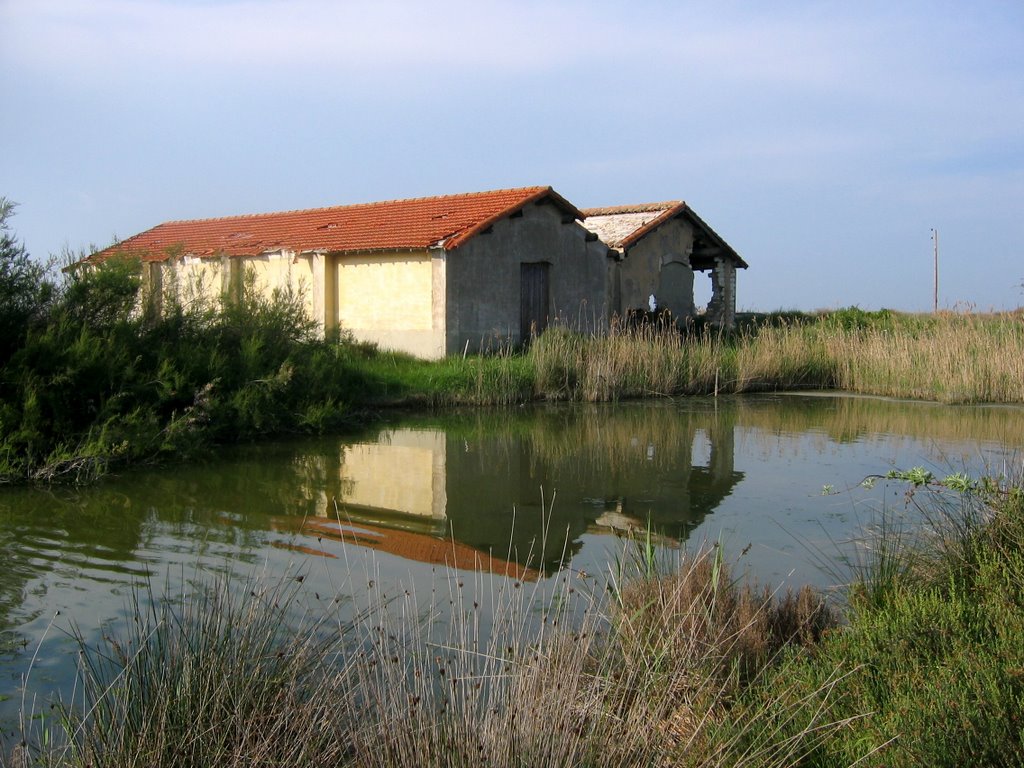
(282, 272)
(394, 300)
(404, 472)
(190, 280)
(385, 292)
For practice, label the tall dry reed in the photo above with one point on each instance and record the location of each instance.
(485, 671)
(955, 359)
(647, 361)
(952, 358)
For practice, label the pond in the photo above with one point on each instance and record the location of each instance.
(524, 492)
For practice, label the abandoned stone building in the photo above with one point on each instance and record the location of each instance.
(430, 276)
(451, 274)
(659, 247)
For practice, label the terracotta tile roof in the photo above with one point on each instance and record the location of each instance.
(611, 210)
(447, 221)
(622, 226)
(407, 544)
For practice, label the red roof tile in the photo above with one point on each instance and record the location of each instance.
(408, 544)
(414, 224)
(611, 210)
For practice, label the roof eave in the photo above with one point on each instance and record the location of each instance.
(390, 249)
(682, 209)
(455, 241)
(639, 234)
(718, 240)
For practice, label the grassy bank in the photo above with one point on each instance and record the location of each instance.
(949, 358)
(667, 661)
(929, 662)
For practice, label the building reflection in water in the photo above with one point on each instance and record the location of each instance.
(524, 488)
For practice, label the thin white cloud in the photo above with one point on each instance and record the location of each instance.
(719, 56)
(107, 34)
(911, 106)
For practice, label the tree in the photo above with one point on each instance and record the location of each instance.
(24, 289)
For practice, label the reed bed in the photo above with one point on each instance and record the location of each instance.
(785, 357)
(951, 358)
(955, 359)
(649, 361)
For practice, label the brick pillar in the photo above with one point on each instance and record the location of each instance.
(722, 307)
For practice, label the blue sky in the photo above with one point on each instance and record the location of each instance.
(822, 140)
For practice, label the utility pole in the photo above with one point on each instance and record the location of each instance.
(935, 245)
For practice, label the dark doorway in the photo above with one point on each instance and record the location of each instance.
(533, 280)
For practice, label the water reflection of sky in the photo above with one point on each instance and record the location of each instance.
(506, 491)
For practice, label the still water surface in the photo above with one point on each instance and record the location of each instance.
(526, 490)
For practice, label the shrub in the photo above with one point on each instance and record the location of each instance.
(24, 290)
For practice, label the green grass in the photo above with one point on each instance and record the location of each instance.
(394, 378)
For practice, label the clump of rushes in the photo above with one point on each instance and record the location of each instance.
(931, 654)
(496, 672)
(214, 677)
(691, 640)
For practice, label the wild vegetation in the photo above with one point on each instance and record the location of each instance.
(95, 382)
(91, 377)
(669, 660)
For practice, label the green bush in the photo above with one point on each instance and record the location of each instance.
(24, 289)
(95, 382)
(854, 318)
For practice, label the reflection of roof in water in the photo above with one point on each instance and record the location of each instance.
(392, 519)
(302, 549)
(407, 544)
(708, 488)
(706, 491)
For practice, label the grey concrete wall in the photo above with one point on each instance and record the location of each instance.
(643, 271)
(483, 279)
